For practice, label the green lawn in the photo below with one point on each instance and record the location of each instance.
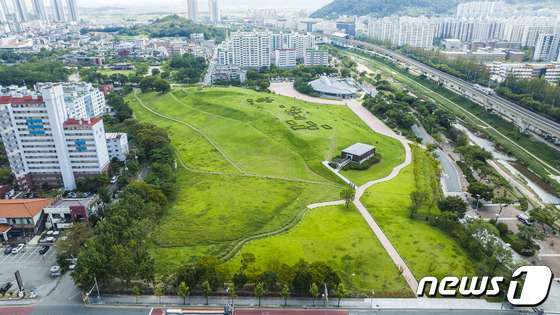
(110, 72)
(215, 212)
(417, 242)
(336, 235)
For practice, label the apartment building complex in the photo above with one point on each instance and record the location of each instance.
(45, 146)
(82, 99)
(400, 31)
(548, 47)
(316, 57)
(117, 145)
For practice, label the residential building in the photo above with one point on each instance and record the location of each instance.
(285, 58)
(246, 50)
(347, 27)
(4, 11)
(192, 8)
(482, 9)
(20, 8)
(73, 15)
(44, 146)
(214, 11)
(316, 57)
(58, 11)
(452, 44)
(550, 72)
(227, 72)
(400, 31)
(39, 10)
(548, 48)
(301, 42)
(82, 99)
(117, 145)
(22, 216)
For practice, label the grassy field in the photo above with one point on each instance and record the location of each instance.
(215, 212)
(417, 242)
(336, 235)
(111, 72)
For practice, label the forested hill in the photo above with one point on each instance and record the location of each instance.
(169, 26)
(381, 8)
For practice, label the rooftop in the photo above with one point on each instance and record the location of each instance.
(113, 135)
(334, 85)
(22, 208)
(71, 122)
(66, 203)
(25, 99)
(358, 149)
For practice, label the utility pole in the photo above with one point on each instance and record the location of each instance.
(97, 286)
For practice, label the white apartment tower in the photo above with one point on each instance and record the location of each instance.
(301, 42)
(214, 11)
(316, 57)
(481, 10)
(73, 11)
(82, 99)
(21, 13)
(285, 58)
(246, 50)
(548, 47)
(58, 11)
(117, 145)
(39, 10)
(192, 6)
(400, 31)
(44, 146)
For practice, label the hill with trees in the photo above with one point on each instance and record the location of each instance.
(381, 8)
(169, 26)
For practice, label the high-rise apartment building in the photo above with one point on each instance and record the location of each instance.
(301, 42)
(39, 10)
(285, 58)
(214, 11)
(399, 31)
(482, 10)
(73, 15)
(21, 14)
(5, 12)
(246, 50)
(58, 11)
(316, 57)
(82, 99)
(43, 145)
(192, 6)
(548, 47)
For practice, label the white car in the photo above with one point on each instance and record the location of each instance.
(114, 180)
(18, 248)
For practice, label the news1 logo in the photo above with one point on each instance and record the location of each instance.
(534, 290)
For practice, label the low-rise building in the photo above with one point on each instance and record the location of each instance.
(338, 88)
(117, 145)
(358, 152)
(62, 213)
(21, 216)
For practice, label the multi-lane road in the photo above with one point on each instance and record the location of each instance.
(532, 118)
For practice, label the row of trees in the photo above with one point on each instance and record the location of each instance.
(186, 68)
(154, 83)
(29, 73)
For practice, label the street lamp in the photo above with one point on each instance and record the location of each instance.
(477, 200)
(497, 217)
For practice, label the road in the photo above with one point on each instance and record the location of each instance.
(539, 121)
(451, 178)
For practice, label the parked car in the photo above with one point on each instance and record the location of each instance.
(72, 266)
(44, 249)
(18, 248)
(8, 249)
(525, 219)
(5, 287)
(86, 194)
(114, 180)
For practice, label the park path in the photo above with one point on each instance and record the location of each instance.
(193, 128)
(225, 173)
(377, 126)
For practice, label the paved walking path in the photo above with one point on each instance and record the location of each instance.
(377, 126)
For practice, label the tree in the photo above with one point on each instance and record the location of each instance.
(417, 200)
(546, 217)
(345, 73)
(155, 71)
(74, 238)
(528, 234)
(240, 279)
(431, 267)
(231, 292)
(183, 291)
(161, 85)
(147, 83)
(503, 202)
(314, 291)
(341, 293)
(136, 292)
(348, 195)
(246, 260)
(452, 266)
(285, 294)
(453, 204)
(486, 192)
(260, 291)
(206, 290)
(386, 277)
(159, 293)
(104, 195)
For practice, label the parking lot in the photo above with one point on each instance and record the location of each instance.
(35, 272)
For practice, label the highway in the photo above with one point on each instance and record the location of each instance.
(535, 119)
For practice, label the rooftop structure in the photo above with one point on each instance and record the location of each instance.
(338, 88)
(358, 152)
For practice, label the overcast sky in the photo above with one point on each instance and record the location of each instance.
(203, 4)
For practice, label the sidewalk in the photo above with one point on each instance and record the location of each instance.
(214, 302)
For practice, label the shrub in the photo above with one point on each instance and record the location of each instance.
(364, 166)
(502, 228)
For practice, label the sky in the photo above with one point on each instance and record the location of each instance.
(203, 4)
